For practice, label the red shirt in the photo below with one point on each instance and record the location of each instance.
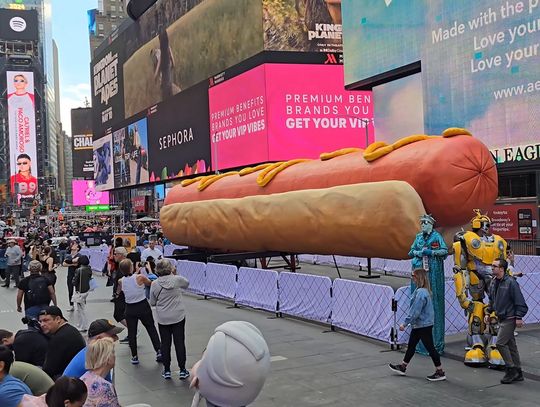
(27, 185)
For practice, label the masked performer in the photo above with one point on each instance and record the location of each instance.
(428, 252)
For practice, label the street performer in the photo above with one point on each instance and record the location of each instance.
(474, 252)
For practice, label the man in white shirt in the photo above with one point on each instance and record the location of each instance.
(151, 251)
(14, 256)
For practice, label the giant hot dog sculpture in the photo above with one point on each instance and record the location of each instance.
(351, 202)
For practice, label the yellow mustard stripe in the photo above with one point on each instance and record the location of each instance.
(269, 173)
(456, 131)
(250, 170)
(190, 181)
(337, 153)
(205, 183)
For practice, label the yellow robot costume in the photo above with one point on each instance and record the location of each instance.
(474, 251)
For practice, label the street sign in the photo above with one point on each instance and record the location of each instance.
(97, 208)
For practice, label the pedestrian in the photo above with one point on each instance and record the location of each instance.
(100, 359)
(71, 262)
(36, 290)
(12, 390)
(166, 295)
(507, 302)
(48, 265)
(152, 250)
(34, 377)
(100, 328)
(65, 341)
(14, 257)
(30, 345)
(66, 391)
(62, 250)
(137, 309)
(81, 283)
(119, 300)
(421, 318)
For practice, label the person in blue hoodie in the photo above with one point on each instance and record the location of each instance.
(421, 319)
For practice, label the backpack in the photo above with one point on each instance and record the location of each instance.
(38, 291)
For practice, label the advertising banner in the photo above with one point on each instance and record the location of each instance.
(514, 221)
(19, 25)
(131, 154)
(285, 111)
(83, 164)
(140, 203)
(103, 163)
(488, 48)
(85, 193)
(22, 133)
(238, 120)
(302, 25)
(179, 144)
(310, 113)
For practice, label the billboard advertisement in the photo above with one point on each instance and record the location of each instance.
(302, 25)
(479, 61)
(103, 163)
(284, 111)
(179, 144)
(19, 25)
(81, 130)
(22, 133)
(514, 221)
(130, 154)
(85, 193)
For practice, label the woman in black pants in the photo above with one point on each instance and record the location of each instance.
(421, 318)
(166, 295)
(137, 309)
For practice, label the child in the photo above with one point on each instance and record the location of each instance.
(421, 318)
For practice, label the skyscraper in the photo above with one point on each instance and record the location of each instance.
(104, 21)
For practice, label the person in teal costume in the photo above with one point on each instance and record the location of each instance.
(428, 252)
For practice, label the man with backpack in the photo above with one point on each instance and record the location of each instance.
(36, 290)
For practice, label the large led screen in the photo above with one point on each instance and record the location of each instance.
(286, 111)
(179, 143)
(85, 193)
(130, 154)
(82, 139)
(479, 61)
(103, 163)
(22, 133)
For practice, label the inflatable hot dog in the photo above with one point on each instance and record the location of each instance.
(450, 174)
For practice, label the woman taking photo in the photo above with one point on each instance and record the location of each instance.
(137, 309)
(166, 295)
(421, 318)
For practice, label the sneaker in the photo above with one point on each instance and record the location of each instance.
(166, 374)
(159, 358)
(399, 369)
(134, 360)
(184, 374)
(125, 340)
(437, 376)
(70, 309)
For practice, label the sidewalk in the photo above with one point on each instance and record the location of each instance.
(311, 366)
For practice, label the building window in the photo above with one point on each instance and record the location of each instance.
(120, 8)
(113, 8)
(113, 27)
(100, 27)
(517, 185)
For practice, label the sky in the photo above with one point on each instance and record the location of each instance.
(70, 31)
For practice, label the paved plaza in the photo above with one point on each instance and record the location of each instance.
(311, 366)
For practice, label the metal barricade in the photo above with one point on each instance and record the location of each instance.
(257, 288)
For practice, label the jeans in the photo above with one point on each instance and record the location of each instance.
(61, 256)
(175, 332)
(141, 311)
(14, 271)
(70, 276)
(426, 336)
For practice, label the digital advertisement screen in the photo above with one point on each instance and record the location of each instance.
(103, 163)
(159, 191)
(22, 133)
(82, 139)
(130, 154)
(304, 26)
(179, 141)
(19, 25)
(85, 193)
(479, 61)
(514, 221)
(286, 111)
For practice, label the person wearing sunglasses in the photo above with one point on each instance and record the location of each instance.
(25, 181)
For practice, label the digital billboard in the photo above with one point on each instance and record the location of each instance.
(19, 25)
(85, 193)
(81, 139)
(286, 111)
(479, 61)
(302, 25)
(130, 154)
(179, 141)
(103, 163)
(22, 133)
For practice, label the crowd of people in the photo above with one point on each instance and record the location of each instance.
(53, 362)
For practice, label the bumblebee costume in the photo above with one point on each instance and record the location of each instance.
(474, 251)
